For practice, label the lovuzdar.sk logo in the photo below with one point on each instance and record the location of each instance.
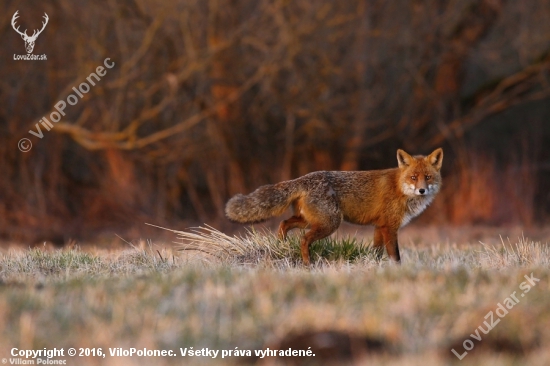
(29, 40)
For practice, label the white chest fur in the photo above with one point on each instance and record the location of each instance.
(415, 206)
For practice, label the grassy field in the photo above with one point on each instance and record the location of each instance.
(252, 293)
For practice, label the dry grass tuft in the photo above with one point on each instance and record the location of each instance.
(524, 252)
(264, 247)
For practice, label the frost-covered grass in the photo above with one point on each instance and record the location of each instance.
(252, 292)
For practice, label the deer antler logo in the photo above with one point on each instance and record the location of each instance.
(29, 41)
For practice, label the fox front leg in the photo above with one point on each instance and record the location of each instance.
(389, 237)
(378, 243)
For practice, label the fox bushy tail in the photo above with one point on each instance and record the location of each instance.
(262, 204)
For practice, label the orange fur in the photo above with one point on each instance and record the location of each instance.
(387, 199)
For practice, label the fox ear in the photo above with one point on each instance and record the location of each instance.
(403, 159)
(436, 158)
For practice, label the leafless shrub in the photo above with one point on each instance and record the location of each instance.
(212, 98)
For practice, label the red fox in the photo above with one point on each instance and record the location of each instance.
(387, 199)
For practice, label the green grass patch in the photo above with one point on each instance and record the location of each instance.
(331, 248)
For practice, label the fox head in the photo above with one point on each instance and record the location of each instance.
(420, 175)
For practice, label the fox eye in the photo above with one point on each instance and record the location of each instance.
(428, 177)
(413, 177)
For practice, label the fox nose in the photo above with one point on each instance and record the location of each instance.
(421, 190)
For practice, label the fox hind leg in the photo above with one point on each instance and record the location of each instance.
(292, 223)
(324, 220)
(315, 233)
